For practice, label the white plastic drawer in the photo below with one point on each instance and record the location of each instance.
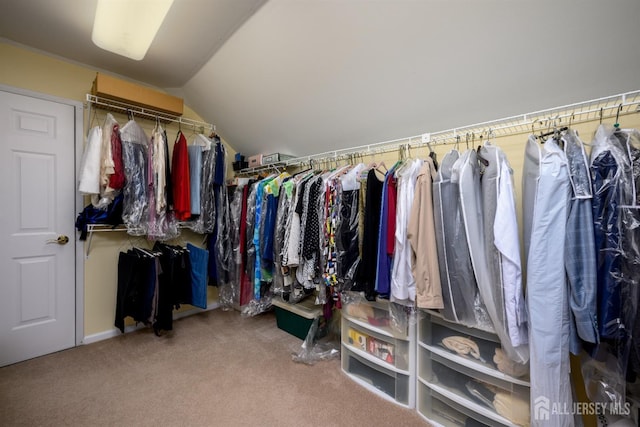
(389, 351)
(458, 387)
(432, 338)
(437, 408)
(429, 320)
(427, 357)
(392, 384)
(376, 315)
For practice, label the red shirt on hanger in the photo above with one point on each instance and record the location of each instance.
(180, 179)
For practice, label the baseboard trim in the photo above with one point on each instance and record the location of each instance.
(105, 335)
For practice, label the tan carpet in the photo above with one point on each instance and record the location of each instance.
(215, 369)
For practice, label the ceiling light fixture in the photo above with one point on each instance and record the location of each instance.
(127, 27)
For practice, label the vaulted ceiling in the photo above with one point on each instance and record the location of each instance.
(306, 76)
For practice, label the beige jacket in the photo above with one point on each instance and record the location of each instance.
(422, 238)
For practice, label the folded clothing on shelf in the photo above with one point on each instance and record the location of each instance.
(462, 346)
(513, 407)
(508, 366)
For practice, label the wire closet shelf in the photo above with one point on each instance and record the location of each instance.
(566, 115)
(136, 110)
(93, 101)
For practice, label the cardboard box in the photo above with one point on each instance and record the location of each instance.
(119, 90)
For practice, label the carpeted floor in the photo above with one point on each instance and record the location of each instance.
(215, 369)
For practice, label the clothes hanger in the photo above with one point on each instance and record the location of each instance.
(601, 108)
(372, 165)
(402, 159)
(213, 132)
(479, 156)
(490, 133)
(433, 156)
(302, 171)
(94, 119)
(617, 123)
(192, 134)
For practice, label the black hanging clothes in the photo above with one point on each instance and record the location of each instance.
(174, 283)
(366, 276)
(137, 287)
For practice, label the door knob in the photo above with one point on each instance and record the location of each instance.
(61, 240)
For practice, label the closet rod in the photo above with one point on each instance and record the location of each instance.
(140, 111)
(579, 112)
(106, 228)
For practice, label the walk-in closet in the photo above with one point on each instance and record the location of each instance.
(310, 212)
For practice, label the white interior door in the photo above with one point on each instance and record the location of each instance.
(37, 272)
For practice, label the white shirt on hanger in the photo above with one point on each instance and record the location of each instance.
(90, 166)
(403, 284)
(505, 231)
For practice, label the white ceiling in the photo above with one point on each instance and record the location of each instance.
(306, 76)
(191, 34)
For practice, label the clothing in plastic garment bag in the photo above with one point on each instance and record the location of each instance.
(366, 275)
(308, 272)
(89, 182)
(580, 255)
(134, 155)
(195, 177)
(110, 158)
(162, 224)
(219, 251)
(422, 238)
(347, 229)
(291, 240)
(246, 287)
(460, 167)
(631, 266)
(207, 220)
(502, 249)
(612, 188)
(459, 288)
(403, 283)
(614, 198)
(631, 243)
(224, 248)
(236, 210)
(547, 290)
(467, 170)
(282, 214)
